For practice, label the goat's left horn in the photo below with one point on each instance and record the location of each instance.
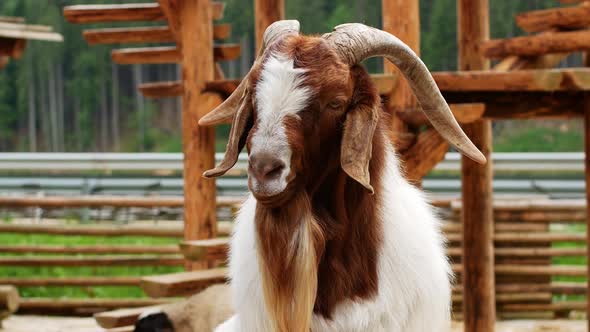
(356, 42)
(225, 112)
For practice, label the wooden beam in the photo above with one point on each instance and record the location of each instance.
(121, 317)
(135, 260)
(210, 249)
(71, 281)
(521, 80)
(72, 306)
(430, 149)
(569, 18)
(182, 284)
(13, 48)
(92, 250)
(385, 84)
(479, 306)
(153, 34)
(198, 143)
(9, 301)
(402, 19)
(551, 42)
(168, 54)
(265, 13)
(124, 13)
(464, 113)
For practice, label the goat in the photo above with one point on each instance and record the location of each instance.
(332, 237)
(201, 312)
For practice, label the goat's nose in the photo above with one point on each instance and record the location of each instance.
(265, 167)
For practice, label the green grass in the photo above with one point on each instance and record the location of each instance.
(539, 139)
(82, 292)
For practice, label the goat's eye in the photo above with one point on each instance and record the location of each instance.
(335, 104)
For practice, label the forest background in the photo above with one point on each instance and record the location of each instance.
(70, 97)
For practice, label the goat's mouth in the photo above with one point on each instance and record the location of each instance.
(272, 193)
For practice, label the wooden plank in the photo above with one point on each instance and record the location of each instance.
(70, 306)
(551, 42)
(430, 148)
(9, 301)
(523, 105)
(13, 48)
(528, 252)
(71, 281)
(266, 12)
(146, 55)
(121, 317)
(479, 307)
(89, 250)
(168, 54)
(523, 80)
(176, 260)
(532, 270)
(149, 12)
(464, 113)
(569, 18)
(209, 249)
(60, 202)
(182, 284)
(198, 142)
(536, 237)
(31, 34)
(113, 13)
(224, 229)
(385, 84)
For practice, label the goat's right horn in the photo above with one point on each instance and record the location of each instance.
(356, 42)
(225, 112)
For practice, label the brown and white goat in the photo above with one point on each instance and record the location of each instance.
(333, 238)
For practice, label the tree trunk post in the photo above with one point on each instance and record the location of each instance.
(479, 304)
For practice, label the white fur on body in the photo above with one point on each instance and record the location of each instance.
(414, 293)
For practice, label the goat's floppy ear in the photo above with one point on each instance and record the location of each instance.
(357, 143)
(359, 129)
(241, 125)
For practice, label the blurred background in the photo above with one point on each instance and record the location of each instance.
(70, 97)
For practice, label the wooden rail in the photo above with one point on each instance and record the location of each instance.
(156, 34)
(182, 284)
(101, 261)
(92, 250)
(102, 201)
(71, 281)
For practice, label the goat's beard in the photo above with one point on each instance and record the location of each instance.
(290, 243)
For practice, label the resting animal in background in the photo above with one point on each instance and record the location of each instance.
(200, 313)
(333, 238)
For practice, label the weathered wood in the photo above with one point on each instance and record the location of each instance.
(385, 84)
(555, 18)
(26, 31)
(176, 260)
(532, 270)
(536, 237)
(121, 317)
(45, 306)
(92, 250)
(557, 306)
(210, 249)
(9, 301)
(72, 281)
(527, 252)
(223, 228)
(522, 80)
(153, 34)
(198, 143)
(13, 48)
(168, 54)
(265, 13)
(182, 284)
(112, 201)
(464, 113)
(124, 13)
(479, 307)
(523, 105)
(552, 42)
(430, 148)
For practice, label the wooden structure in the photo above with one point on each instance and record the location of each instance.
(14, 34)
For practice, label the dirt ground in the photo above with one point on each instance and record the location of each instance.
(54, 324)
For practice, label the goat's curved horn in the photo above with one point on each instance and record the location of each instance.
(224, 112)
(356, 42)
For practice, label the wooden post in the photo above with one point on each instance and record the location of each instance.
(267, 12)
(587, 172)
(198, 143)
(479, 305)
(402, 18)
